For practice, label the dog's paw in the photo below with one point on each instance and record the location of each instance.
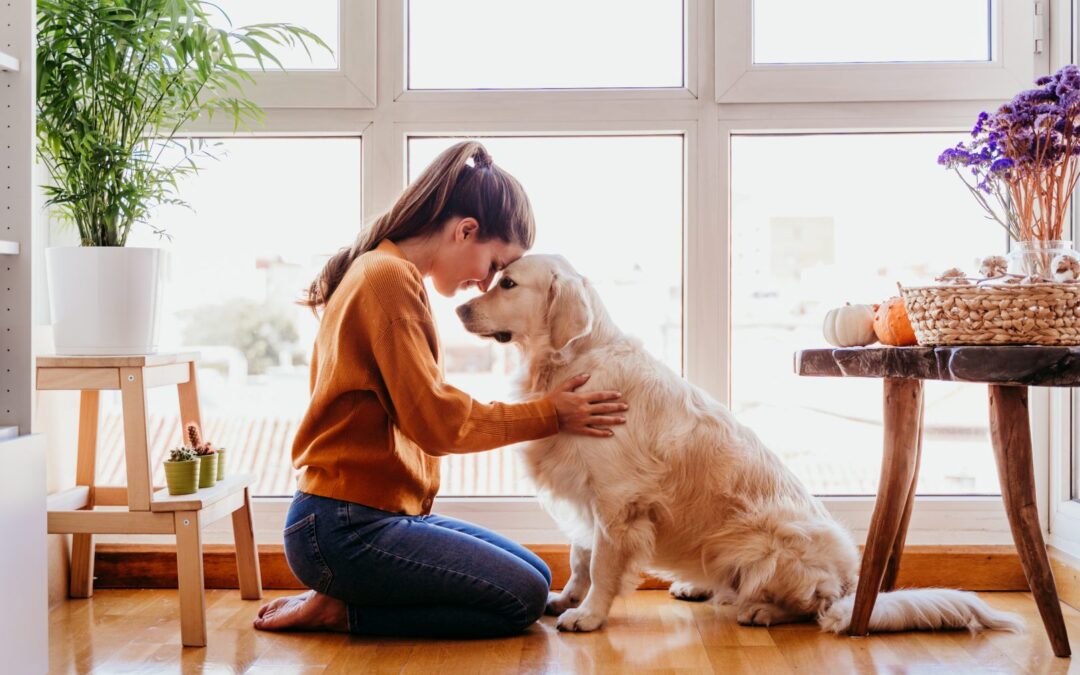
(756, 615)
(579, 620)
(557, 603)
(682, 590)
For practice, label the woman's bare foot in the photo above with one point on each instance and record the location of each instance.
(307, 611)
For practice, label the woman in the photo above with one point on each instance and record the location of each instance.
(360, 532)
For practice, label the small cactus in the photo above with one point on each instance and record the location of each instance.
(195, 440)
(181, 455)
(194, 436)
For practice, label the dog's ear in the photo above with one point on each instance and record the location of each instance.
(569, 314)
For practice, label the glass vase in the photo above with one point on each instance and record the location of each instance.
(1036, 257)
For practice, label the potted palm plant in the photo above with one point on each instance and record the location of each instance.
(116, 82)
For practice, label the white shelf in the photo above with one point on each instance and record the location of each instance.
(8, 247)
(9, 62)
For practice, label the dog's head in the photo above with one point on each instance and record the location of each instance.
(539, 300)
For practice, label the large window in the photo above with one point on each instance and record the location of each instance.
(718, 225)
(876, 50)
(629, 249)
(263, 221)
(545, 44)
(869, 31)
(839, 233)
(318, 16)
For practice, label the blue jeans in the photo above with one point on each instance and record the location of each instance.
(419, 576)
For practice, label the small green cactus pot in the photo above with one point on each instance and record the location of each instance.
(182, 477)
(220, 454)
(207, 471)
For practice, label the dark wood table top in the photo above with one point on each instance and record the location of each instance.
(1031, 365)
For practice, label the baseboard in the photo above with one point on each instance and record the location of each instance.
(975, 568)
(1066, 570)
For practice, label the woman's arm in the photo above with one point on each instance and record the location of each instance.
(442, 419)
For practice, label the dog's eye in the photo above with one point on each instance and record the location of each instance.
(506, 283)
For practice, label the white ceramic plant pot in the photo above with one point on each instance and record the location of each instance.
(104, 299)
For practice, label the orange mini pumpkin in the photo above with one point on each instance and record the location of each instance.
(891, 324)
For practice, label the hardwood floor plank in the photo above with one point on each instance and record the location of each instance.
(137, 630)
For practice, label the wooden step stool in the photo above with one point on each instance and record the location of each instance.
(148, 511)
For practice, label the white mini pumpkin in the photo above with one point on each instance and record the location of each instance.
(850, 326)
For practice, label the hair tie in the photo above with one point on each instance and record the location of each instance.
(482, 160)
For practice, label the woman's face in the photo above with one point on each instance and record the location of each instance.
(464, 261)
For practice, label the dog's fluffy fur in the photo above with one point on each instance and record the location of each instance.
(683, 490)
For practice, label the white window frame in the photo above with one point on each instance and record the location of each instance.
(740, 80)
(350, 85)
(1064, 513)
(707, 127)
(1064, 429)
(397, 22)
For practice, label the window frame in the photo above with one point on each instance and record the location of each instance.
(707, 121)
(398, 22)
(350, 85)
(1063, 522)
(740, 80)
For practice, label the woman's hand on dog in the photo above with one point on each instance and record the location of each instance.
(589, 413)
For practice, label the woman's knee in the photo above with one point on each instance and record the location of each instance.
(544, 570)
(531, 598)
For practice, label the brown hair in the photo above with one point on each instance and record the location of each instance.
(449, 187)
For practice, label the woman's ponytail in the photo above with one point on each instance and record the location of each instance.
(462, 181)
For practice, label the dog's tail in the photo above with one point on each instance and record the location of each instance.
(922, 609)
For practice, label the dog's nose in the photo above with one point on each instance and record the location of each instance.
(463, 312)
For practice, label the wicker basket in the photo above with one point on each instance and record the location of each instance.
(995, 314)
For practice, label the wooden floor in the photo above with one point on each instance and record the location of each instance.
(128, 631)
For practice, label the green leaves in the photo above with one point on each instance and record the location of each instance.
(116, 81)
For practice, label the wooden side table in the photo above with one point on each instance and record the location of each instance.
(149, 510)
(1008, 370)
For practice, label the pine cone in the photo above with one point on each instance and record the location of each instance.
(993, 266)
(954, 276)
(1065, 268)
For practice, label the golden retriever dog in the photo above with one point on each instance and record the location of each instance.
(683, 491)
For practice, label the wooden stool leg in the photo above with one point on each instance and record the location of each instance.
(82, 545)
(82, 566)
(903, 403)
(188, 393)
(247, 555)
(189, 568)
(136, 439)
(1011, 434)
(892, 570)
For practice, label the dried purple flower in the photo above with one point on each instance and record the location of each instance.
(1025, 157)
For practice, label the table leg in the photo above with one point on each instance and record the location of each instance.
(902, 411)
(1011, 434)
(892, 570)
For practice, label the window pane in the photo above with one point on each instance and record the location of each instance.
(548, 44)
(630, 250)
(264, 223)
(318, 16)
(836, 232)
(871, 31)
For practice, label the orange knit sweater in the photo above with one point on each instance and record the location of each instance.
(380, 414)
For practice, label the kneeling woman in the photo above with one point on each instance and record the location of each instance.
(360, 532)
